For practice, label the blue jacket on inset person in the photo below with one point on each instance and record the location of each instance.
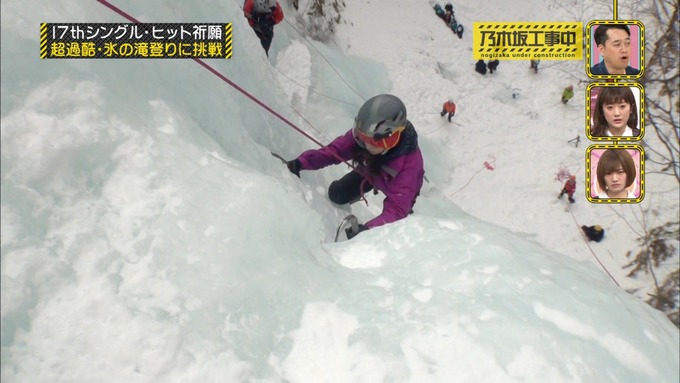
(600, 69)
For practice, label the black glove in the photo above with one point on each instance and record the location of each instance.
(351, 234)
(261, 17)
(294, 166)
(265, 19)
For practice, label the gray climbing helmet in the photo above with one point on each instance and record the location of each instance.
(381, 116)
(263, 5)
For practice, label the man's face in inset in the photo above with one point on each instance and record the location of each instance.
(616, 51)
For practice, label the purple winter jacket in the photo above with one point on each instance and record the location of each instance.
(400, 183)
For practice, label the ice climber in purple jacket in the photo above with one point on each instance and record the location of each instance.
(383, 148)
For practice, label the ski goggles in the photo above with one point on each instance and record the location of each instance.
(378, 140)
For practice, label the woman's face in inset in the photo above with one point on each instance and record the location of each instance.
(616, 114)
(615, 180)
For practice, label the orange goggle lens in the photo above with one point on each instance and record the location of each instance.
(387, 142)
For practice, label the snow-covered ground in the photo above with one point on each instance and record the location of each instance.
(149, 236)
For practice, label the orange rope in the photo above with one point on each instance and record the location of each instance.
(487, 165)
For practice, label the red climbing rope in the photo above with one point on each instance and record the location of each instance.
(489, 165)
(244, 92)
(221, 77)
(591, 249)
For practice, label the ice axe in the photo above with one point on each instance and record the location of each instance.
(352, 221)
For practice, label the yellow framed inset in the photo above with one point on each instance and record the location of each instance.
(524, 40)
(617, 51)
(615, 173)
(615, 111)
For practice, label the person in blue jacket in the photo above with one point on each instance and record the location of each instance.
(594, 233)
(480, 67)
(493, 65)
